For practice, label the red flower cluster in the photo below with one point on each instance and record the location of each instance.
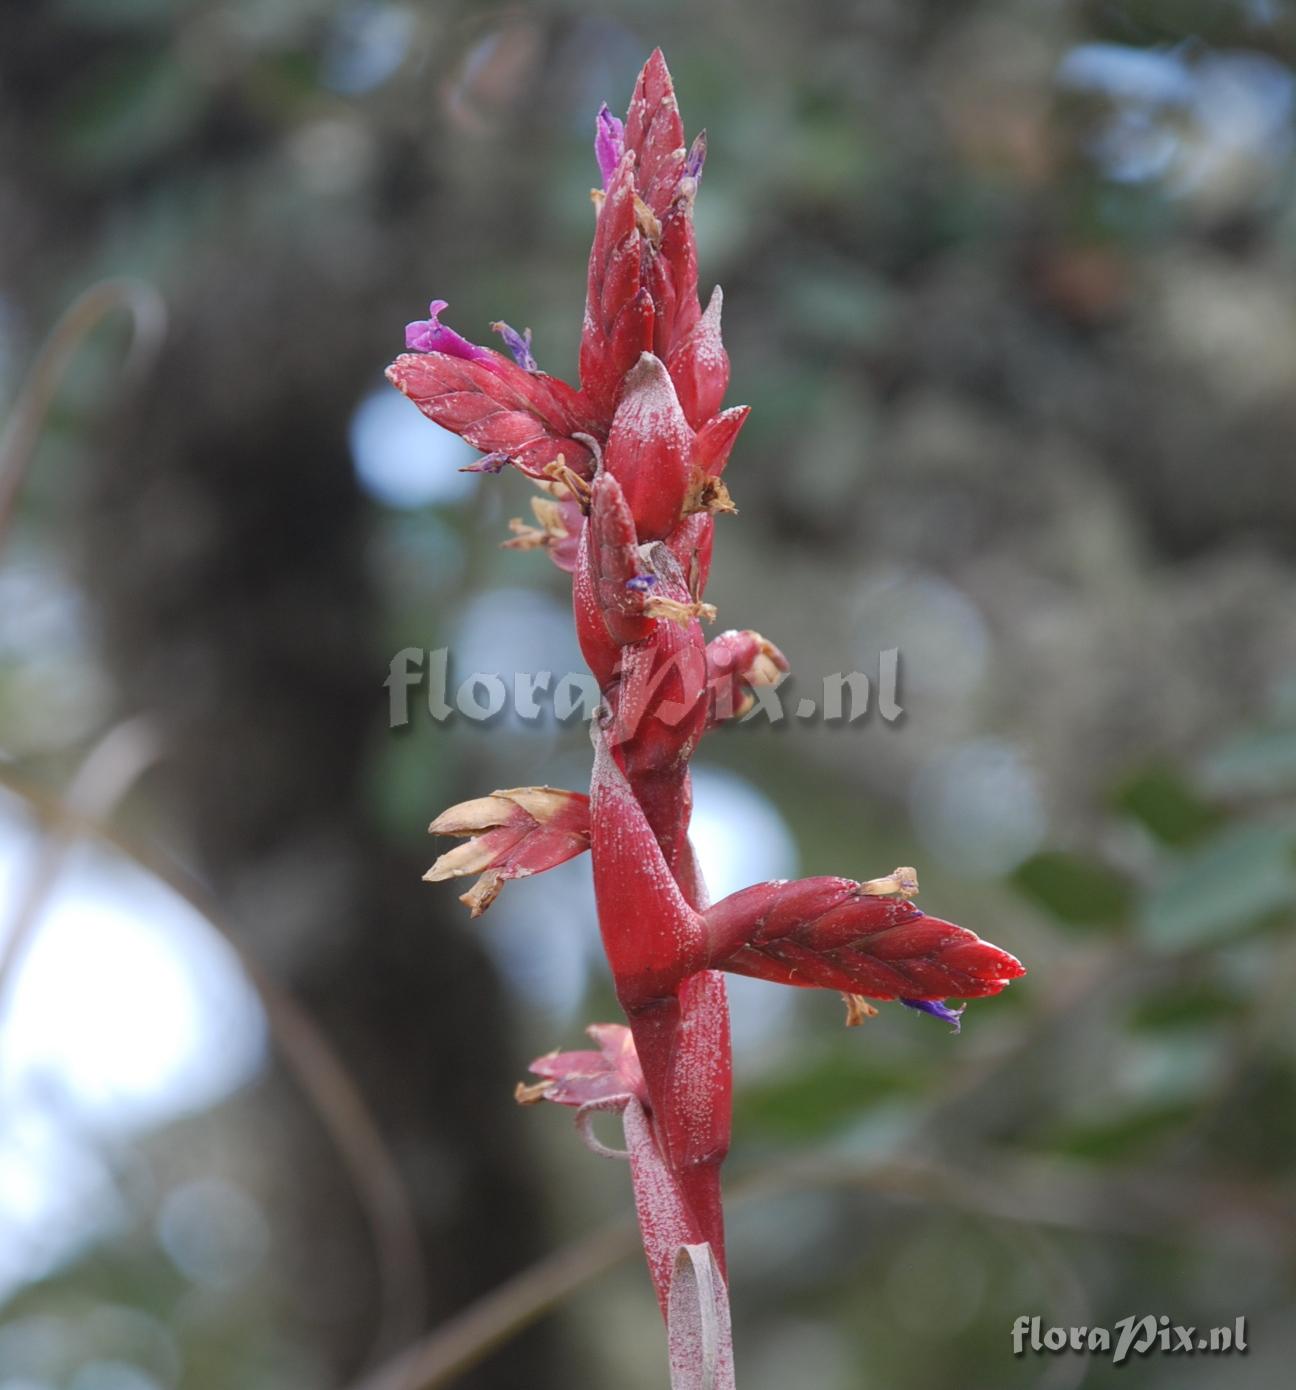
(629, 469)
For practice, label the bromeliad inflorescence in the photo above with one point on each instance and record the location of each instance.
(629, 475)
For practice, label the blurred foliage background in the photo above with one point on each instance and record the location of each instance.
(1009, 287)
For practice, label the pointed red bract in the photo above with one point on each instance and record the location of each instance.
(738, 663)
(618, 325)
(585, 1078)
(510, 834)
(652, 937)
(655, 133)
(699, 366)
(673, 277)
(830, 933)
(714, 442)
(648, 449)
(498, 407)
(611, 582)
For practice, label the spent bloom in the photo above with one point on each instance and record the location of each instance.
(629, 469)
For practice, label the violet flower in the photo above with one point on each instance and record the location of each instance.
(938, 1009)
(431, 335)
(609, 143)
(518, 344)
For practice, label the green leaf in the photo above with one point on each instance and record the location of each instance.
(1252, 764)
(835, 303)
(1164, 802)
(1243, 876)
(1125, 1136)
(1192, 1006)
(821, 1097)
(1255, 1130)
(1074, 889)
(125, 110)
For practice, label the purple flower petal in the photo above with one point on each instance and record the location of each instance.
(938, 1009)
(519, 344)
(641, 583)
(431, 335)
(488, 463)
(696, 157)
(609, 142)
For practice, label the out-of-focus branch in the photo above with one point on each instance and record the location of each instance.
(1028, 1199)
(108, 772)
(27, 415)
(463, 1340)
(307, 1055)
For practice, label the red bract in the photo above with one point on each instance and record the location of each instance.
(648, 449)
(510, 834)
(831, 933)
(498, 407)
(629, 466)
(589, 1078)
(699, 366)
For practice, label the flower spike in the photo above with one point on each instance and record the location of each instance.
(629, 468)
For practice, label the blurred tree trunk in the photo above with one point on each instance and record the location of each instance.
(225, 555)
(224, 551)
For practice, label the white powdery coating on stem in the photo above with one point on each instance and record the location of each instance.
(585, 1124)
(664, 1220)
(701, 1059)
(701, 1343)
